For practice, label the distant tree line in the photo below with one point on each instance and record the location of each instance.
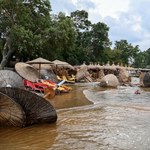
(29, 30)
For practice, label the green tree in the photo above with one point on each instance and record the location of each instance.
(82, 43)
(142, 59)
(24, 28)
(62, 37)
(91, 39)
(80, 19)
(99, 40)
(128, 52)
(146, 58)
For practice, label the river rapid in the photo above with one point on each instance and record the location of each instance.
(89, 118)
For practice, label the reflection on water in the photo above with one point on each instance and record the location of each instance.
(37, 137)
(73, 99)
(99, 119)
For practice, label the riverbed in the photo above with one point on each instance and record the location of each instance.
(89, 118)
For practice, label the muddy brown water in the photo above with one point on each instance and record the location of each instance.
(89, 118)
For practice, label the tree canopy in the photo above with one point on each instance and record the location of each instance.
(29, 30)
(23, 25)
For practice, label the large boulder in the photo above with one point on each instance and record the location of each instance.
(146, 80)
(100, 75)
(124, 76)
(83, 73)
(49, 75)
(141, 77)
(109, 80)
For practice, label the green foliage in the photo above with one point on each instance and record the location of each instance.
(127, 52)
(25, 23)
(147, 58)
(99, 40)
(142, 60)
(92, 39)
(139, 60)
(80, 19)
(62, 37)
(28, 31)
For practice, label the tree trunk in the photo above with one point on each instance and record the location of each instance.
(6, 53)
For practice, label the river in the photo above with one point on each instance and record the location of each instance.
(89, 118)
